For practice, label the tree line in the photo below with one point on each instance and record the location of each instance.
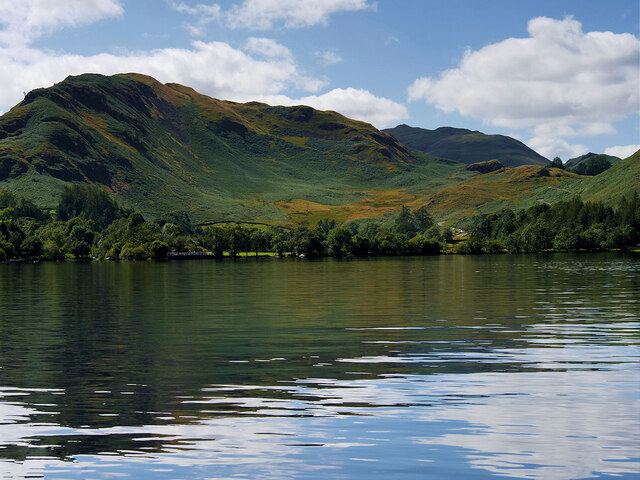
(566, 226)
(88, 223)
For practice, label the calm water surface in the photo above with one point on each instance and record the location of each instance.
(446, 367)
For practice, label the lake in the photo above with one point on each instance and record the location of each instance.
(522, 366)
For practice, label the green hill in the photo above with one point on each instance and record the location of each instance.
(467, 146)
(166, 147)
(574, 162)
(591, 163)
(618, 181)
(160, 148)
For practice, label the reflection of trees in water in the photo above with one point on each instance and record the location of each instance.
(66, 447)
(143, 344)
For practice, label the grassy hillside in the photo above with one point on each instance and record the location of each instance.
(525, 186)
(166, 147)
(513, 188)
(609, 186)
(159, 148)
(467, 146)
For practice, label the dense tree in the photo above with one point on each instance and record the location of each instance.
(339, 241)
(89, 202)
(422, 245)
(422, 219)
(404, 223)
(258, 241)
(326, 225)
(557, 163)
(178, 218)
(307, 242)
(238, 240)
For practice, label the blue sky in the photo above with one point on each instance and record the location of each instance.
(562, 76)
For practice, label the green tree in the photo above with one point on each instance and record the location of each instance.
(131, 251)
(566, 240)
(31, 247)
(180, 218)
(159, 250)
(493, 247)
(557, 163)
(472, 245)
(80, 238)
(52, 251)
(238, 240)
(422, 219)
(404, 223)
(536, 237)
(279, 240)
(88, 202)
(258, 241)
(305, 241)
(421, 245)
(326, 225)
(339, 241)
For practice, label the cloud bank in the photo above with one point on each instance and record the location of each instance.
(560, 81)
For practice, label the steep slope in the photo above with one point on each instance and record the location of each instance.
(163, 147)
(467, 146)
(621, 179)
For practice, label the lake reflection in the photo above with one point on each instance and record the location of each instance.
(518, 366)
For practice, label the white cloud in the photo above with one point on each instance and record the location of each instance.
(558, 76)
(550, 139)
(552, 146)
(205, 14)
(26, 20)
(391, 40)
(351, 102)
(328, 58)
(267, 14)
(622, 151)
(361, 105)
(268, 48)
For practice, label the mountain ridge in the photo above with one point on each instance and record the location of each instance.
(165, 147)
(467, 146)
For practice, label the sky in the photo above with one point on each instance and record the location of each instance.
(563, 76)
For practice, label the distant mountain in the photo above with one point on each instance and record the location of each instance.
(467, 146)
